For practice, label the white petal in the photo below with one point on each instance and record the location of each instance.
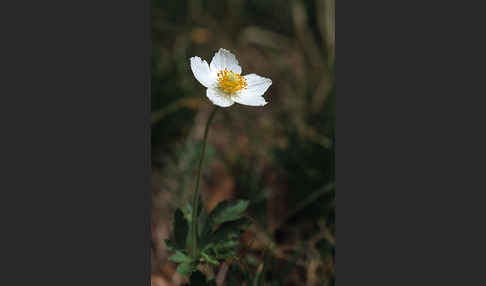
(218, 97)
(245, 99)
(225, 59)
(201, 71)
(256, 87)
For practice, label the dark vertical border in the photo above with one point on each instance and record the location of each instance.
(147, 170)
(75, 149)
(410, 143)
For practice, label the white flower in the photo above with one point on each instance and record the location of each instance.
(224, 82)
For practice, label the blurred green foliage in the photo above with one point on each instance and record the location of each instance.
(280, 157)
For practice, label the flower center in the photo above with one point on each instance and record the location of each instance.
(230, 82)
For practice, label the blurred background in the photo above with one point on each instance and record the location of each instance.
(280, 156)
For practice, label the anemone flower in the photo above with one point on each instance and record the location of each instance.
(224, 82)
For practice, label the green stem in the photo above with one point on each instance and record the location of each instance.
(195, 199)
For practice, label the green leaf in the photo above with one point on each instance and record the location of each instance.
(228, 211)
(181, 227)
(185, 269)
(224, 250)
(180, 257)
(209, 259)
(230, 230)
(222, 246)
(206, 229)
(205, 225)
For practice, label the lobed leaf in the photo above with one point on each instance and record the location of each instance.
(230, 230)
(209, 259)
(180, 257)
(185, 269)
(228, 211)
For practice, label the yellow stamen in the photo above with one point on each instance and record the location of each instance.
(230, 82)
